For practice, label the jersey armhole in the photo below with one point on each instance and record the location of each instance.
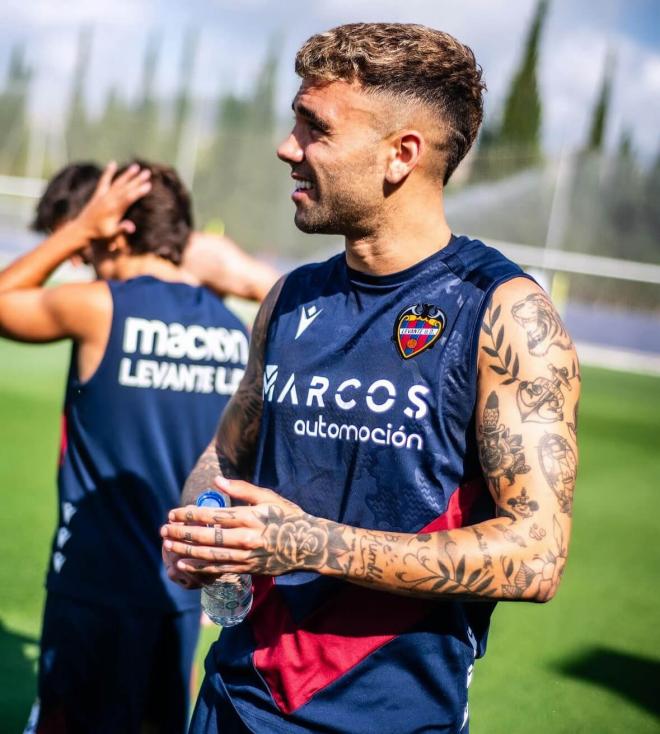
(82, 384)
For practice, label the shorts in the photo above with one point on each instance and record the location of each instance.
(214, 713)
(106, 670)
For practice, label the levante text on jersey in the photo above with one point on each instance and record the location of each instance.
(131, 435)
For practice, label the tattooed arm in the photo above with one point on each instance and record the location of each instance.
(232, 451)
(528, 388)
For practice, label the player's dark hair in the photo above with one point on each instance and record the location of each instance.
(163, 217)
(408, 62)
(65, 196)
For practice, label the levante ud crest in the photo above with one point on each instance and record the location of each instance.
(418, 328)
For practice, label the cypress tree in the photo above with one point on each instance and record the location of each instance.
(144, 115)
(182, 104)
(596, 137)
(521, 122)
(515, 143)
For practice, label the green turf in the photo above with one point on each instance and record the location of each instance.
(587, 662)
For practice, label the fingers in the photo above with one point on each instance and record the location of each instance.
(179, 576)
(106, 178)
(205, 571)
(227, 517)
(213, 536)
(206, 553)
(132, 184)
(246, 492)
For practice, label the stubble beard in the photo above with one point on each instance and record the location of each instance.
(348, 213)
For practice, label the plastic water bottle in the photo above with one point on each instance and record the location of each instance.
(228, 599)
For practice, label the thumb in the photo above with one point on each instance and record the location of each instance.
(244, 491)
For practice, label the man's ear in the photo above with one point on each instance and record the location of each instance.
(406, 149)
(119, 245)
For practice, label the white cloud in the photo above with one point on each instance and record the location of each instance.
(77, 12)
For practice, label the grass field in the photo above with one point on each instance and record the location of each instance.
(587, 662)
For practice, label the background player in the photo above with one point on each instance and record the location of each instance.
(154, 362)
(209, 259)
(413, 430)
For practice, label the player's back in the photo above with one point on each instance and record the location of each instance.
(132, 433)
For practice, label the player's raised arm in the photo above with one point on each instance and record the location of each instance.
(221, 265)
(232, 451)
(528, 393)
(29, 312)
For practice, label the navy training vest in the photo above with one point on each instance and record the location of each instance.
(131, 435)
(368, 420)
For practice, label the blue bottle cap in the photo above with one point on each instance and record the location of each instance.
(211, 498)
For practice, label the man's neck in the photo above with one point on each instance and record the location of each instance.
(134, 266)
(405, 237)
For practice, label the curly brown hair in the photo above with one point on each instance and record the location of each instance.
(408, 61)
(163, 217)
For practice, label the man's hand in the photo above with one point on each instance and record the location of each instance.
(267, 535)
(180, 577)
(102, 216)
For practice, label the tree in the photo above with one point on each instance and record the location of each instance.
(596, 137)
(144, 116)
(240, 177)
(78, 134)
(516, 143)
(182, 103)
(13, 114)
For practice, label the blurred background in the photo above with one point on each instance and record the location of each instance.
(565, 179)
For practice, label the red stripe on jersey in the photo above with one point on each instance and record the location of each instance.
(64, 438)
(296, 661)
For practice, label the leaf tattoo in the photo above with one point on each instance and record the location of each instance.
(509, 364)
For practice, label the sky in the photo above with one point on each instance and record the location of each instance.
(235, 36)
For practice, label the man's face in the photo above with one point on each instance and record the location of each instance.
(337, 155)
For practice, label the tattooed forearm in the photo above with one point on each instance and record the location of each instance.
(433, 565)
(501, 452)
(202, 476)
(458, 563)
(447, 570)
(238, 432)
(483, 547)
(539, 576)
(510, 535)
(236, 440)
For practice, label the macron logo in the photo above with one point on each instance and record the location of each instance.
(307, 316)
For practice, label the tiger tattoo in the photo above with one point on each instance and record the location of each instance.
(539, 319)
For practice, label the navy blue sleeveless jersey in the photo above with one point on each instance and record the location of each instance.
(368, 420)
(131, 435)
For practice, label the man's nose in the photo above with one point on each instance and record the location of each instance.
(290, 150)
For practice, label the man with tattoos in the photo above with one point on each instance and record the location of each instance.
(398, 453)
(154, 361)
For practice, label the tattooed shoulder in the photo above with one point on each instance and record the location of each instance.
(538, 317)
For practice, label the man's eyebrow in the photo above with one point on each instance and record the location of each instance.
(303, 111)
